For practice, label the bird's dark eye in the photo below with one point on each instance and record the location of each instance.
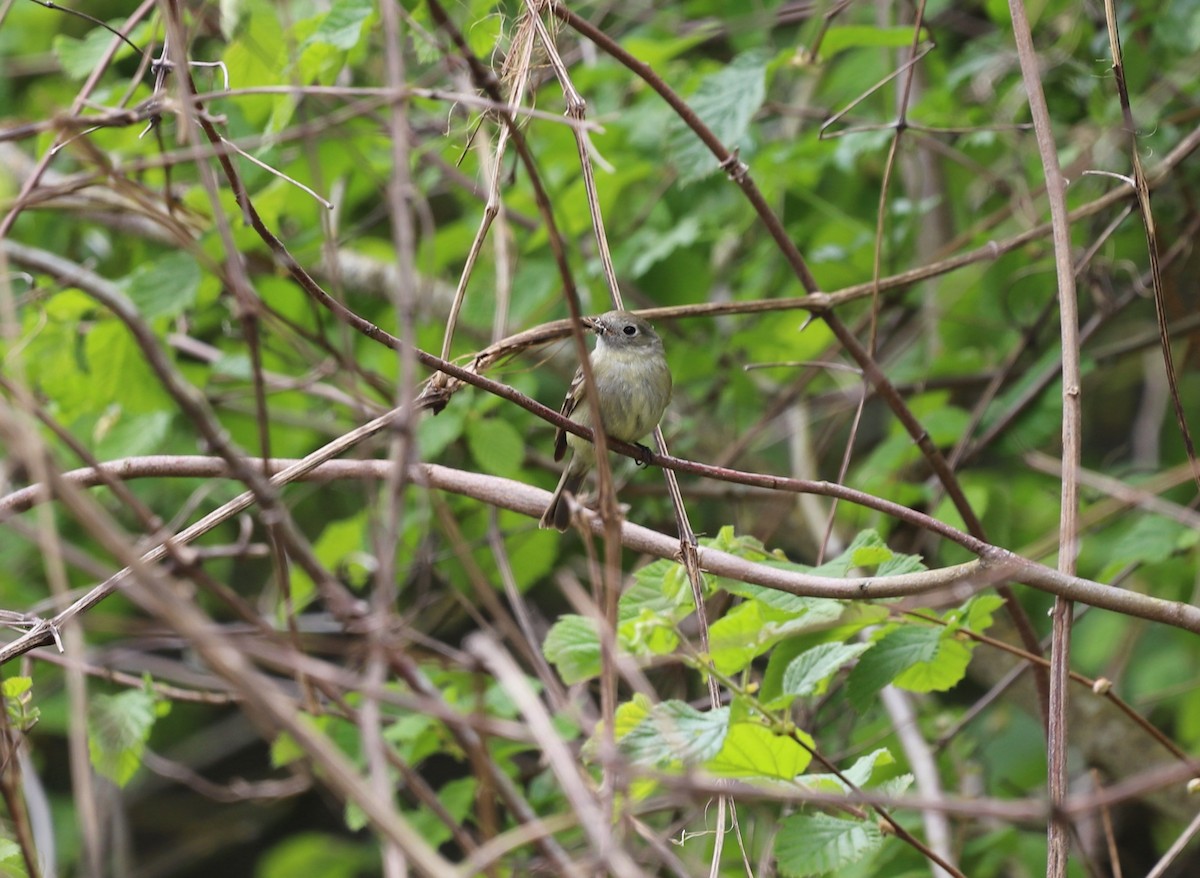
(630, 330)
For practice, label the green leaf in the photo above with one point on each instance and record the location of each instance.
(943, 672)
(496, 446)
(917, 658)
(809, 672)
(257, 57)
(751, 750)
(741, 635)
(80, 57)
(818, 844)
(484, 34)
(816, 611)
(342, 26)
(316, 855)
(164, 287)
(572, 645)
(838, 39)
(436, 432)
(856, 555)
(1152, 540)
(649, 633)
(285, 749)
(9, 850)
(979, 611)
(674, 733)
(457, 798)
(336, 548)
(871, 556)
(726, 102)
(126, 435)
(416, 737)
(661, 587)
(655, 246)
(894, 653)
(858, 774)
(118, 728)
(119, 372)
(752, 628)
(13, 687)
(656, 50)
(630, 715)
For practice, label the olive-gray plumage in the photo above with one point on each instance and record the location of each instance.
(633, 387)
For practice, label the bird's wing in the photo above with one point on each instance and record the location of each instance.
(574, 394)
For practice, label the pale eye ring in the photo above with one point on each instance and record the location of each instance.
(630, 330)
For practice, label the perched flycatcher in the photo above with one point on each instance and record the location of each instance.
(633, 386)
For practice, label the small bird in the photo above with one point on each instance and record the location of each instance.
(633, 384)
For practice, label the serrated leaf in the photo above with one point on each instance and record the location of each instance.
(164, 287)
(893, 564)
(979, 611)
(751, 750)
(810, 671)
(118, 728)
(818, 611)
(894, 653)
(630, 715)
(1151, 540)
(9, 850)
(342, 26)
(457, 797)
(656, 246)
(871, 556)
(649, 633)
(484, 34)
(674, 732)
(726, 102)
(80, 57)
(944, 671)
(818, 844)
(895, 786)
(656, 589)
(338, 543)
(858, 774)
(744, 633)
(572, 645)
(119, 372)
(752, 628)
(436, 432)
(496, 446)
(127, 435)
(916, 658)
(12, 687)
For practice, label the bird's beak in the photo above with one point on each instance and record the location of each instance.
(590, 323)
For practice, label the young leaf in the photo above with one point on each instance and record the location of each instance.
(655, 590)
(858, 774)
(943, 672)
(896, 652)
(818, 844)
(572, 645)
(810, 671)
(164, 287)
(118, 728)
(726, 102)
(751, 750)
(496, 446)
(916, 658)
(676, 733)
